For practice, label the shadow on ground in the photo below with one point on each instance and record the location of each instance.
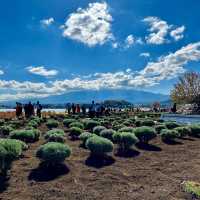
(148, 147)
(43, 173)
(187, 138)
(131, 153)
(99, 162)
(3, 183)
(172, 142)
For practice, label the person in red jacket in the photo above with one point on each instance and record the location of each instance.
(78, 109)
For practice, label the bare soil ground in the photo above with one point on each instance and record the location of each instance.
(144, 174)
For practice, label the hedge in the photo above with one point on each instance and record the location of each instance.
(99, 146)
(31, 135)
(145, 134)
(125, 140)
(53, 153)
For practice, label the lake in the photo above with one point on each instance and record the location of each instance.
(184, 119)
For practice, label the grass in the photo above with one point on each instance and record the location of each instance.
(192, 188)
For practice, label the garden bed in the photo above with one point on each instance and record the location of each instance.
(155, 171)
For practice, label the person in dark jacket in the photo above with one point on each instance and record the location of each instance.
(38, 109)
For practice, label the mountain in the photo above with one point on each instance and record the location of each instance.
(133, 96)
(86, 96)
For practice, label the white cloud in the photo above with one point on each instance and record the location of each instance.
(164, 68)
(1, 72)
(130, 40)
(145, 54)
(177, 33)
(168, 67)
(115, 45)
(159, 30)
(91, 26)
(47, 22)
(42, 71)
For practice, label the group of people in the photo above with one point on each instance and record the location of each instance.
(29, 109)
(75, 108)
(94, 109)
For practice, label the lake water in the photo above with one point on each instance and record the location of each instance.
(184, 119)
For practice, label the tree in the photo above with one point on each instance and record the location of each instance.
(187, 90)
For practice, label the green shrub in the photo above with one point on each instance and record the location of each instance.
(90, 124)
(192, 188)
(125, 140)
(99, 146)
(33, 124)
(5, 130)
(107, 133)
(84, 136)
(98, 129)
(148, 122)
(145, 134)
(31, 135)
(138, 122)
(16, 124)
(2, 121)
(51, 123)
(169, 135)
(75, 132)
(37, 119)
(77, 124)
(132, 119)
(159, 128)
(55, 135)
(161, 120)
(53, 153)
(183, 131)
(67, 122)
(127, 129)
(105, 123)
(195, 130)
(9, 151)
(116, 127)
(171, 125)
(127, 123)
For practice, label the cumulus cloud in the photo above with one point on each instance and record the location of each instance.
(130, 40)
(177, 33)
(168, 67)
(47, 22)
(42, 71)
(91, 26)
(1, 72)
(145, 54)
(164, 68)
(159, 30)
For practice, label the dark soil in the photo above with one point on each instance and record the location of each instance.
(145, 173)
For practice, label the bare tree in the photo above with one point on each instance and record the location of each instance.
(187, 90)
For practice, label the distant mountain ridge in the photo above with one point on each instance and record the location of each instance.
(86, 96)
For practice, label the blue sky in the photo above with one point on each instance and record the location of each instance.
(53, 47)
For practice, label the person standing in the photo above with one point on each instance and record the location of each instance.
(92, 110)
(26, 110)
(83, 108)
(73, 109)
(18, 109)
(78, 109)
(30, 109)
(38, 109)
(68, 108)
